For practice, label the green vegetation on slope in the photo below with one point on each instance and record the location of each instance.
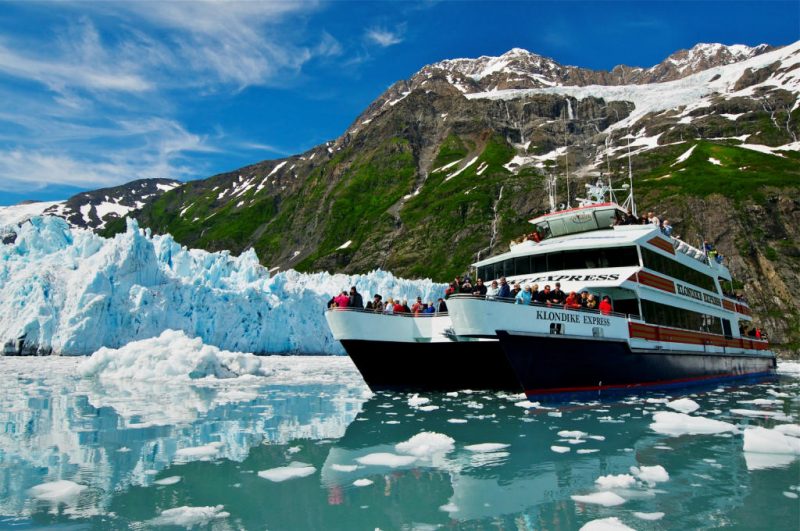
(741, 173)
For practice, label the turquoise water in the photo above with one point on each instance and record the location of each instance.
(137, 453)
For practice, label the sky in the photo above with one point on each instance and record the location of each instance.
(96, 94)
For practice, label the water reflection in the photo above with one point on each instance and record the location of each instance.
(142, 450)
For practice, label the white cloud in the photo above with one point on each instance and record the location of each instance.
(383, 37)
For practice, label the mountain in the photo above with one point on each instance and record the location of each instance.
(448, 166)
(92, 210)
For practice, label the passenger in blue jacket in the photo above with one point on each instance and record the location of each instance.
(505, 289)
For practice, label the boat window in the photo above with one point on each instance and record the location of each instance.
(668, 266)
(605, 218)
(666, 315)
(577, 221)
(561, 261)
(522, 263)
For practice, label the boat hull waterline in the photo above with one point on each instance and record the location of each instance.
(409, 353)
(439, 366)
(560, 367)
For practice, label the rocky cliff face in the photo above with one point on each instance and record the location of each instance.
(447, 167)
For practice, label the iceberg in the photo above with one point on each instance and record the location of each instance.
(70, 291)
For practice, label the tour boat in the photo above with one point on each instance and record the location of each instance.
(674, 322)
(404, 352)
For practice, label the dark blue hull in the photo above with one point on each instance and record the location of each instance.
(440, 366)
(560, 368)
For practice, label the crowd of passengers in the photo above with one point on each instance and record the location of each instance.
(531, 294)
(390, 306)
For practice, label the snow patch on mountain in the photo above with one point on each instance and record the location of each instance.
(690, 90)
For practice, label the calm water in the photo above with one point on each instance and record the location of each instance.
(136, 452)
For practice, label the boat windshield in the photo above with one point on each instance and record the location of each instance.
(577, 221)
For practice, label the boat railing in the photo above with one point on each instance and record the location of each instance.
(393, 314)
(512, 300)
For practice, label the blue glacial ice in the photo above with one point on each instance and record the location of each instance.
(73, 292)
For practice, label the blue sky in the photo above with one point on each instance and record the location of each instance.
(97, 94)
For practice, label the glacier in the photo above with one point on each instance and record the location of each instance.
(69, 291)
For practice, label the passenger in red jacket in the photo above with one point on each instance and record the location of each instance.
(572, 302)
(343, 300)
(605, 305)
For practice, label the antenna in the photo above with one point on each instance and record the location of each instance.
(629, 203)
(566, 152)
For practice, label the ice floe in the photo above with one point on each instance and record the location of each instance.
(649, 516)
(363, 482)
(170, 356)
(386, 459)
(189, 516)
(486, 447)
(171, 480)
(61, 491)
(606, 524)
(426, 444)
(684, 405)
(650, 474)
(604, 498)
(283, 473)
(675, 424)
(619, 481)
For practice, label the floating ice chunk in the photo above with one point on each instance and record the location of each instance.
(392, 422)
(416, 400)
(527, 404)
(363, 482)
(428, 408)
(293, 450)
(675, 424)
(620, 481)
(554, 414)
(588, 450)
(684, 405)
(426, 444)
(657, 400)
(560, 449)
(761, 402)
(779, 415)
(449, 508)
(189, 516)
(204, 452)
(755, 461)
(605, 498)
(649, 516)
(170, 356)
(650, 474)
(124, 449)
(452, 394)
(457, 421)
(766, 441)
(61, 491)
(788, 429)
(282, 473)
(789, 367)
(344, 468)
(606, 524)
(778, 394)
(572, 434)
(171, 480)
(386, 459)
(486, 447)
(792, 495)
